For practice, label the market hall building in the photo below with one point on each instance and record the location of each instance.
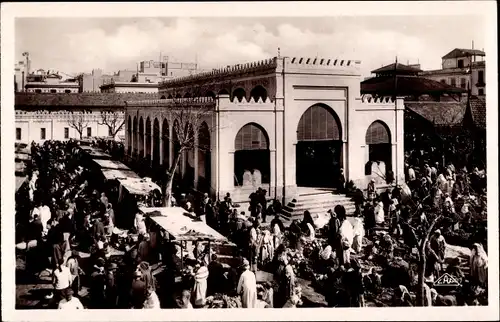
(279, 124)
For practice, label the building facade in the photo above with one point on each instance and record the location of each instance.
(464, 68)
(40, 117)
(129, 87)
(278, 124)
(50, 83)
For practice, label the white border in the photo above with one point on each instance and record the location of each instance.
(487, 9)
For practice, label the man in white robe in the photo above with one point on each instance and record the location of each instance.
(247, 287)
(479, 264)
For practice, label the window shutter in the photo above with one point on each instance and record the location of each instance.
(377, 133)
(318, 124)
(251, 137)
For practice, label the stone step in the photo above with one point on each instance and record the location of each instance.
(302, 204)
(314, 212)
(322, 196)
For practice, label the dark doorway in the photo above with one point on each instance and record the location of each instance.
(378, 139)
(250, 160)
(251, 153)
(319, 148)
(318, 163)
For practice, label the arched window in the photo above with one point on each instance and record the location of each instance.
(210, 94)
(162, 97)
(223, 92)
(251, 137)
(377, 133)
(258, 92)
(318, 123)
(239, 94)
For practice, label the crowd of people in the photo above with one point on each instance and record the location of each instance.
(62, 213)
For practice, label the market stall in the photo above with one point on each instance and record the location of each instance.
(134, 193)
(182, 228)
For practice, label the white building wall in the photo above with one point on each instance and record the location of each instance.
(54, 123)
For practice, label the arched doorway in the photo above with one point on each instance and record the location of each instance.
(258, 92)
(223, 92)
(156, 143)
(141, 137)
(251, 155)
(378, 140)
(129, 135)
(204, 158)
(148, 139)
(166, 144)
(319, 148)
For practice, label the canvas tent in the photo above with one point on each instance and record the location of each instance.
(116, 174)
(111, 164)
(182, 226)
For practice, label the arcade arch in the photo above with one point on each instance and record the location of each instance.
(239, 94)
(135, 135)
(156, 143)
(378, 140)
(319, 148)
(251, 156)
(204, 158)
(140, 138)
(148, 139)
(258, 92)
(129, 135)
(166, 143)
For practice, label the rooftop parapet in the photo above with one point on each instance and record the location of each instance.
(222, 72)
(377, 100)
(172, 101)
(323, 62)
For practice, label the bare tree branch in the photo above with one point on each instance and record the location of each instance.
(79, 122)
(114, 120)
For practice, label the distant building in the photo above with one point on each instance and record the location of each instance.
(464, 68)
(21, 70)
(398, 80)
(155, 71)
(40, 117)
(129, 87)
(47, 82)
(91, 82)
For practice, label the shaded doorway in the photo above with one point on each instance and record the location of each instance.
(252, 165)
(319, 148)
(378, 140)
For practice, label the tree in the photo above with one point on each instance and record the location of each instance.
(78, 121)
(114, 120)
(187, 115)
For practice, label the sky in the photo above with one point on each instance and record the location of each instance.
(75, 45)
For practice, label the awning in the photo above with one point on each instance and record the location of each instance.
(182, 226)
(111, 164)
(138, 186)
(115, 174)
